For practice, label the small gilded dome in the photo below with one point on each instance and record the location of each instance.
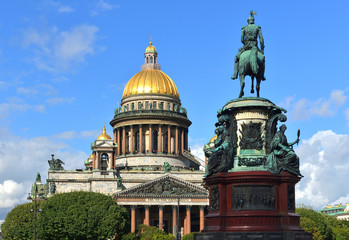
(150, 81)
(104, 135)
(214, 138)
(150, 48)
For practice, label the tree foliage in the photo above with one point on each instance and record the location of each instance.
(145, 232)
(82, 215)
(189, 236)
(321, 226)
(73, 216)
(19, 223)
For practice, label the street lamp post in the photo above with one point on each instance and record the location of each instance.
(31, 210)
(178, 227)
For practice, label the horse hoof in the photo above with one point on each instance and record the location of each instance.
(252, 91)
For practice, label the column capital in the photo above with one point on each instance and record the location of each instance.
(133, 207)
(202, 207)
(174, 207)
(146, 207)
(161, 207)
(188, 207)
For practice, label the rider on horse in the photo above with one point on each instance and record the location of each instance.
(249, 36)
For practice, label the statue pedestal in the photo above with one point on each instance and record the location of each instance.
(247, 201)
(252, 205)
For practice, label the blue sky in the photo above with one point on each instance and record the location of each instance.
(64, 64)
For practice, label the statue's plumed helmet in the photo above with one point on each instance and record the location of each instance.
(250, 19)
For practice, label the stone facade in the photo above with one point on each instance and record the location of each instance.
(146, 166)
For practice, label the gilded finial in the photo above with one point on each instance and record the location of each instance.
(104, 130)
(150, 43)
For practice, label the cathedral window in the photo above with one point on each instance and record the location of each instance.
(154, 104)
(168, 106)
(104, 160)
(146, 104)
(165, 145)
(151, 59)
(147, 60)
(132, 106)
(140, 105)
(154, 141)
(161, 105)
(136, 143)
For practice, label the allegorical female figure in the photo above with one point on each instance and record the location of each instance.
(281, 156)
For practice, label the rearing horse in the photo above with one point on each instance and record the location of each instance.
(251, 63)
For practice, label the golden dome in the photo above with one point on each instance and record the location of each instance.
(150, 48)
(214, 138)
(150, 81)
(104, 135)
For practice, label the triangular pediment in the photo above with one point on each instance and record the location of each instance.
(104, 143)
(165, 186)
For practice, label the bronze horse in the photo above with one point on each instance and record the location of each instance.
(251, 63)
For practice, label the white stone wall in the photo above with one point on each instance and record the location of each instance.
(97, 181)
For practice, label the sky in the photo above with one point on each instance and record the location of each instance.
(64, 65)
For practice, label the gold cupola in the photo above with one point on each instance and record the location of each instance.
(104, 135)
(150, 80)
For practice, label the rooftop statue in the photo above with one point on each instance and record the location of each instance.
(250, 59)
(55, 164)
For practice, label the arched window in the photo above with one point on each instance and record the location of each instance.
(155, 141)
(165, 142)
(147, 59)
(104, 161)
(127, 143)
(151, 59)
(136, 143)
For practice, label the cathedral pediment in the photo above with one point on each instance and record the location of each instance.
(165, 186)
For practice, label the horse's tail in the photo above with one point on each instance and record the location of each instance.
(254, 61)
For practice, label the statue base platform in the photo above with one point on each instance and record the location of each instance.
(253, 236)
(252, 205)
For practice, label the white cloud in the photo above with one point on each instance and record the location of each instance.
(303, 109)
(60, 100)
(9, 107)
(60, 8)
(102, 6)
(324, 162)
(44, 89)
(56, 50)
(65, 9)
(20, 160)
(12, 193)
(69, 135)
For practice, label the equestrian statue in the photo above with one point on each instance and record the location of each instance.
(250, 59)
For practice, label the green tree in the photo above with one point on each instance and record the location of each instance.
(145, 232)
(82, 215)
(19, 222)
(315, 223)
(189, 236)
